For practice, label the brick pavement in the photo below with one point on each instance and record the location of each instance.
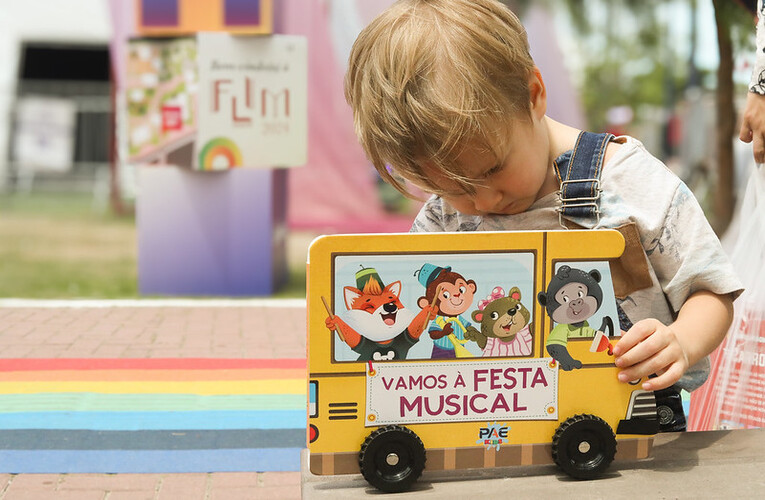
(267, 328)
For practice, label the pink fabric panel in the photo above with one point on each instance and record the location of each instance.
(336, 190)
(563, 103)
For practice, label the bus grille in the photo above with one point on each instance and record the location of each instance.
(642, 405)
(343, 411)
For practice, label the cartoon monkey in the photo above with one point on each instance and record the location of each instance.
(504, 324)
(455, 295)
(572, 297)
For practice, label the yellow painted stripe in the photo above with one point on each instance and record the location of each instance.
(273, 386)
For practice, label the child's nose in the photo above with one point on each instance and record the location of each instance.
(486, 199)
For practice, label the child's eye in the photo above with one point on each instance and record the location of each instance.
(493, 170)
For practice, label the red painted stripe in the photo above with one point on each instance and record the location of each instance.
(147, 364)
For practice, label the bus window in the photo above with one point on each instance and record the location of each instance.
(378, 306)
(579, 298)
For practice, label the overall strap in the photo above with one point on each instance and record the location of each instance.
(580, 177)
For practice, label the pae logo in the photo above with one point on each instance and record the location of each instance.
(493, 435)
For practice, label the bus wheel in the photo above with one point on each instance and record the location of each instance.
(392, 458)
(584, 446)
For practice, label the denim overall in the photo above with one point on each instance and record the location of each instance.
(579, 172)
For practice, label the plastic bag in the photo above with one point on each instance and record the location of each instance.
(734, 395)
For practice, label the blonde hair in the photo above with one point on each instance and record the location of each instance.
(428, 77)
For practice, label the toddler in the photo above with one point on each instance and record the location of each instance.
(446, 96)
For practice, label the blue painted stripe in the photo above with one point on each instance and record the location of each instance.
(135, 421)
(145, 462)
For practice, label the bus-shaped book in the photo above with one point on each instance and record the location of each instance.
(468, 350)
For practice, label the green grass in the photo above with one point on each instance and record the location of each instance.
(54, 246)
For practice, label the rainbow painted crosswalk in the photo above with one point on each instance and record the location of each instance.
(151, 415)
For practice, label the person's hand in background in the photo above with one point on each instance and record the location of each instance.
(753, 125)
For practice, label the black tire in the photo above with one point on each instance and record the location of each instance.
(584, 446)
(392, 458)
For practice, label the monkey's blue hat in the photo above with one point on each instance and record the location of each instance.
(428, 272)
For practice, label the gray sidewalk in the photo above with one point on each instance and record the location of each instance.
(152, 329)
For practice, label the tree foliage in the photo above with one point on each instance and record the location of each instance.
(633, 58)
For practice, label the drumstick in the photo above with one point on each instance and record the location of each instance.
(435, 297)
(332, 316)
(432, 305)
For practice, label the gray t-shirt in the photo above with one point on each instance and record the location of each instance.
(682, 252)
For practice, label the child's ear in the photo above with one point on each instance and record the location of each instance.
(537, 94)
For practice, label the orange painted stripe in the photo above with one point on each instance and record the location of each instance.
(149, 375)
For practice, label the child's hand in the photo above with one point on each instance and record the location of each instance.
(650, 347)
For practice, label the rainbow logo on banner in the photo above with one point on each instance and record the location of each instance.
(220, 153)
(151, 415)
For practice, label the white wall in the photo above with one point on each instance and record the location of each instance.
(60, 21)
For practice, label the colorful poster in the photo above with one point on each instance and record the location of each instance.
(253, 109)
(185, 17)
(161, 95)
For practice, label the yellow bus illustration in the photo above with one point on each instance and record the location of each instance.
(468, 350)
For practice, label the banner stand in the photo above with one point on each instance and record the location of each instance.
(211, 233)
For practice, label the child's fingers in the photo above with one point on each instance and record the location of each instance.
(639, 332)
(643, 351)
(656, 363)
(666, 379)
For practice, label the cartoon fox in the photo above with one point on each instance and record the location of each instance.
(378, 326)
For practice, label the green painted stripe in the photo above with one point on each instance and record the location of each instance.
(89, 401)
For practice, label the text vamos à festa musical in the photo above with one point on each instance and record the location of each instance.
(493, 389)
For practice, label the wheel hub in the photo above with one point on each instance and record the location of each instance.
(391, 459)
